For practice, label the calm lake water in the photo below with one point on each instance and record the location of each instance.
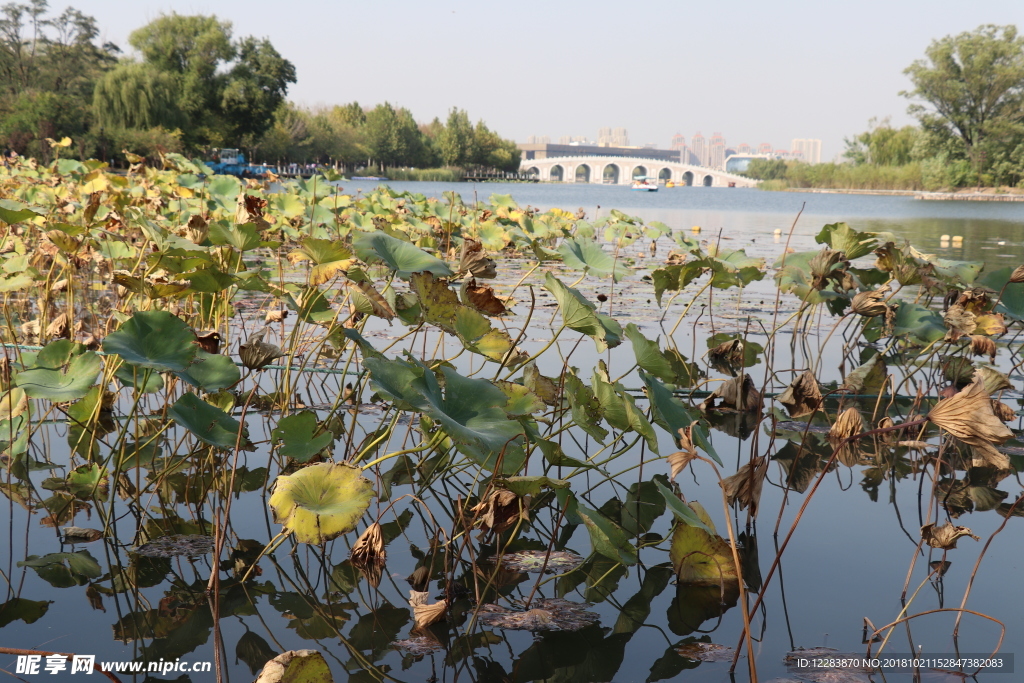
(848, 560)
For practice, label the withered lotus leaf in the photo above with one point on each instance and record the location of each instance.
(745, 486)
(423, 614)
(968, 416)
(802, 396)
(680, 459)
(944, 537)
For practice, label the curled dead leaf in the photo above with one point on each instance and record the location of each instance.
(745, 486)
(1003, 411)
(871, 304)
(992, 324)
(916, 445)
(1017, 275)
(500, 511)
(209, 341)
(475, 261)
(379, 306)
(738, 393)
(968, 416)
(59, 286)
(276, 316)
(680, 459)
(730, 353)
(849, 423)
(256, 354)
(482, 298)
(802, 396)
(983, 346)
(58, 327)
(960, 322)
(423, 614)
(369, 547)
(945, 536)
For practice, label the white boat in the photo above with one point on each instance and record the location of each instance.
(645, 184)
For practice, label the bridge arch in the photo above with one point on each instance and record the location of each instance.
(665, 174)
(610, 176)
(639, 171)
(708, 181)
(688, 179)
(533, 170)
(621, 170)
(557, 173)
(582, 174)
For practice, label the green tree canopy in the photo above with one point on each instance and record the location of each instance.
(973, 85)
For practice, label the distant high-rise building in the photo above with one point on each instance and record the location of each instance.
(716, 151)
(564, 140)
(604, 137)
(678, 141)
(699, 149)
(744, 148)
(620, 138)
(809, 149)
(538, 140)
(764, 148)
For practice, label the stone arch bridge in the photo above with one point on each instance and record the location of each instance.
(613, 170)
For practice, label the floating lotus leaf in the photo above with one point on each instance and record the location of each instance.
(154, 339)
(296, 666)
(211, 372)
(557, 562)
(550, 614)
(177, 545)
(321, 502)
(63, 570)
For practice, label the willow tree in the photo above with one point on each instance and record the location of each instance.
(138, 95)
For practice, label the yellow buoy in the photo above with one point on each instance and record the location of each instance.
(944, 238)
(695, 229)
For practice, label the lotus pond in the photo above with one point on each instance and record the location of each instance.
(450, 439)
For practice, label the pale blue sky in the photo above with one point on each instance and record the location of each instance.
(754, 71)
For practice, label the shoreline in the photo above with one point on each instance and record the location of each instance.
(920, 194)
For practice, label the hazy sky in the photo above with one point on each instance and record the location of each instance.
(754, 71)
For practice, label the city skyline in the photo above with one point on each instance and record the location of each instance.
(779, 71)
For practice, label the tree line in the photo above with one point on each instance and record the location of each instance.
(967, 95)
(195, 87)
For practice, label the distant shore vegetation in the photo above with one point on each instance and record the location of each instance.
(968, 98)
(194, 87)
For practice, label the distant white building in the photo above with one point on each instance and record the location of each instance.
(809, 150)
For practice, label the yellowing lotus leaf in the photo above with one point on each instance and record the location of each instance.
(321, 502)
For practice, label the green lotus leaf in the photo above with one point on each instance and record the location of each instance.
(700, 556)
(62, 372)
(649, 356)
(211, 372)
(842, 237)
(588, 256)
(242, 237)
(296, 432)
(329, 258)
(154, 339)
(607, 537)
(79, 568)
(210, 425)
(321, 502)
(28, 611)
(12, 212)
(581, 315)
(671, 415)
(471, 411)
(521, 401)
(146, 381)
(400, 256)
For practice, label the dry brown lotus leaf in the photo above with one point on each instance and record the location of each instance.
(423, 614)
(983, 346)
(197, 229)
(871, 304)
(991, 324)
(960, 322)
(802, 396)
(369, 547)
(730, 352)
(58, 327)
(745, 485)
(1003, 411)
(474, 260)
(738, 393)
(968, 416)
(849, 423)
(945, 536)
(680, 459)
(543, 386)
(381, 307)
(975, 299)
(256, 354)
(209, 341)
(276, 316)
(993, 380)
(30, 328)
(59, 286)
(500, 511)
(249, 209)
(482, 298)
(916, 445)
(1017, 275)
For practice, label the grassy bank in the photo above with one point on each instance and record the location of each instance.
(441, 175)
